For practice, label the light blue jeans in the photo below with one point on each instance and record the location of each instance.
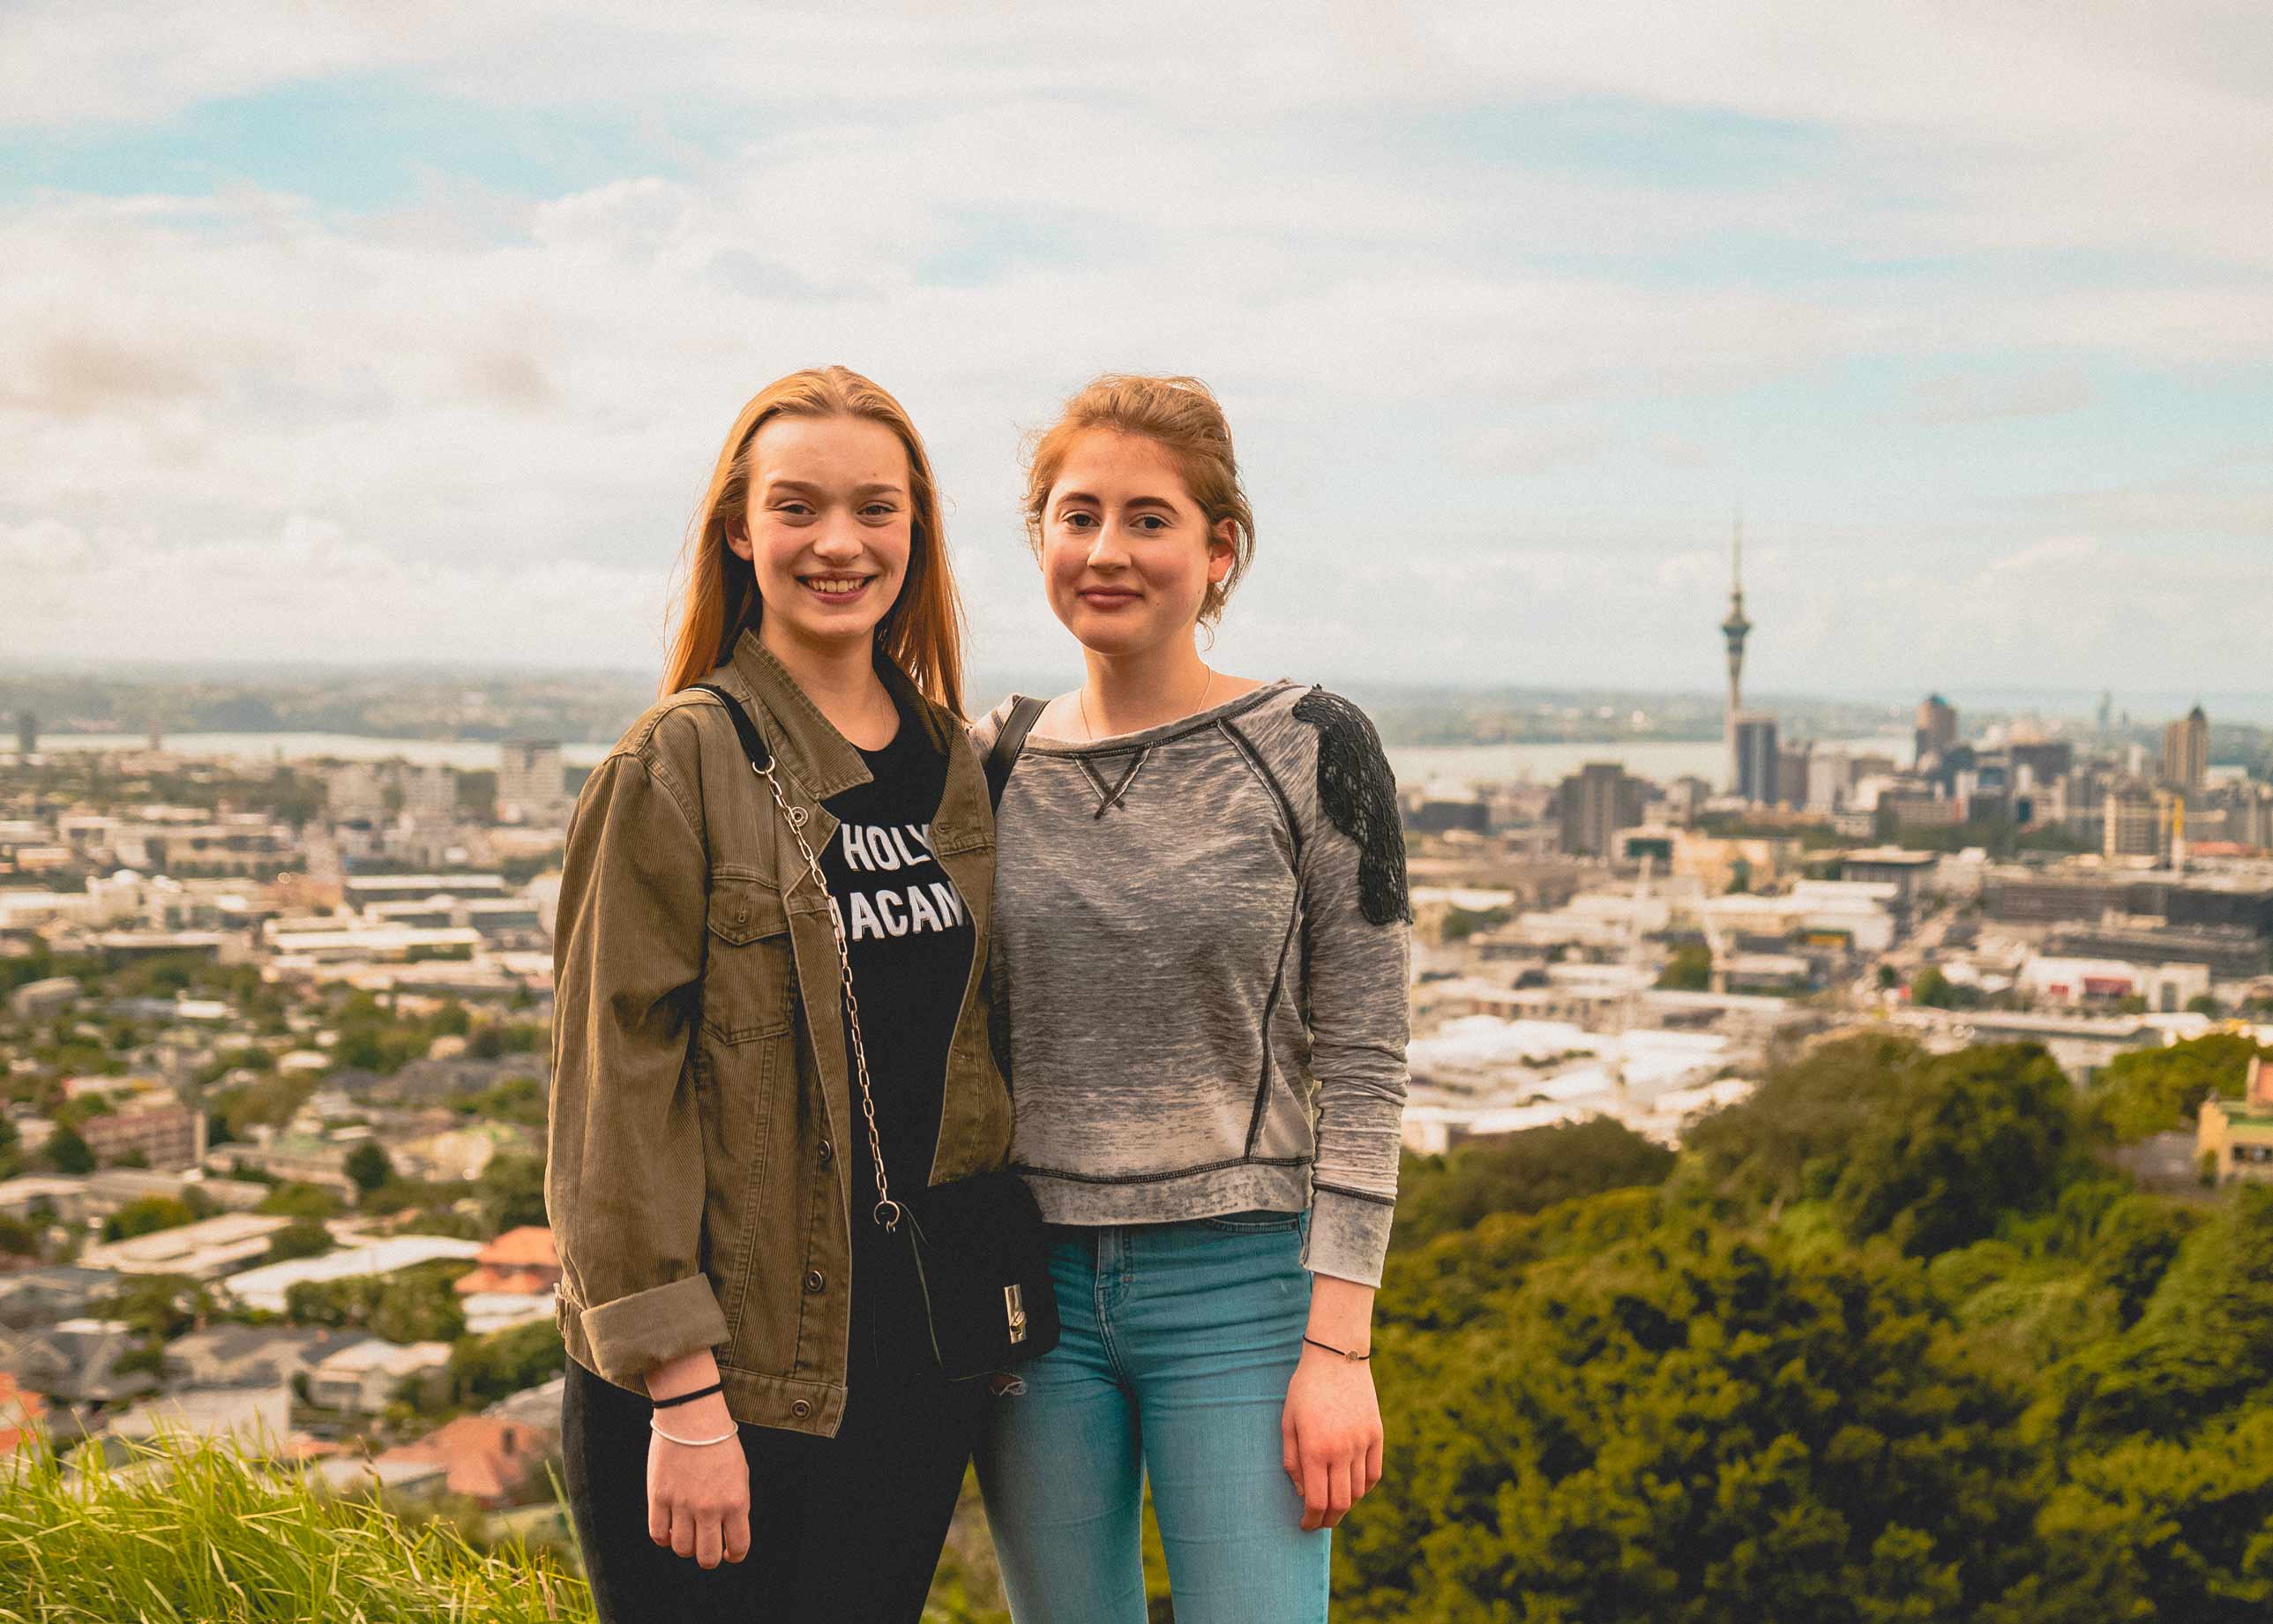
(1180, 1340)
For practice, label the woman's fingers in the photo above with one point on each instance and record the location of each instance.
(737, 1532)
(1316, 1496)
(1290, 1455)
(682, 1531)
(709, 1540)
(1372, 1464)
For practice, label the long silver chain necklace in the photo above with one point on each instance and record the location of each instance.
(1081, 698)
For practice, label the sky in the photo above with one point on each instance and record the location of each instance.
(410, 332)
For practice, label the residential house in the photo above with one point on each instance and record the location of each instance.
(2235, 1136)
(366, 1375)
(489, 1459)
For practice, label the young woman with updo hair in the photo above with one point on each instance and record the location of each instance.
(1201, 955)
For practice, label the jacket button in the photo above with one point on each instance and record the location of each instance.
(815, 1280)
(827, 1153)
(801, 1408)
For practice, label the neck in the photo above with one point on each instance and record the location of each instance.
(1126, 693)
(839, 677)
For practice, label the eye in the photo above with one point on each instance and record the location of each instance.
(1077, 521)
(879, 510)
(1151, 523)
(793, 508)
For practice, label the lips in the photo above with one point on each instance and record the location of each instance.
(835, 589)
(1104, 598)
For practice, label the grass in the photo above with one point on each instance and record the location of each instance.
(193, 1530)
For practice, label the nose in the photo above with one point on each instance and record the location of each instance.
(838, 542)
(1106, 551)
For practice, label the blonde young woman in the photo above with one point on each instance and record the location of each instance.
(1201, 946)
(754, 1426)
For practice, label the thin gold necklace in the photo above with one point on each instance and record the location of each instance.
(1081, 698)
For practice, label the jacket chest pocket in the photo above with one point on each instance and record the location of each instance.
(746, 984)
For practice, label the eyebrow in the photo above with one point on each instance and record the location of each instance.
(807, 488)
(1161, 502)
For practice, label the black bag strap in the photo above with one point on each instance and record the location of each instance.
(753, 744)
(1024, 713)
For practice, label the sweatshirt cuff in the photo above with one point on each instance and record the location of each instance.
(631, 1335)
(1349, 1235)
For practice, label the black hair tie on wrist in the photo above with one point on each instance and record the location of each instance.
(688, 1398)
(1355, 1359)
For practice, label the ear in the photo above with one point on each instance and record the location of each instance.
(1223, 549)
(737, 541)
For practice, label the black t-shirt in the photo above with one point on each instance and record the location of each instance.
(909, 938)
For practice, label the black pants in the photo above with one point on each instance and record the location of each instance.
(848, 1528)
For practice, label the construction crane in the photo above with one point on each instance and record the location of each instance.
(1635, 969)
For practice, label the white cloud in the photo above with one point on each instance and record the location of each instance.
(476, 395)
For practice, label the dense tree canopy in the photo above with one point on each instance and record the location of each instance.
(1886, 1345)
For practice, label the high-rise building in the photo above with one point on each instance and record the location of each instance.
(1936, 727)
(1791, 773)
(2132, 823)
(1594, 804)
(531, 787)
(1734, 630)
(2186, 753)
(1756, 756)
(429, 793)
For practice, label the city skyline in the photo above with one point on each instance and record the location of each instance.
(418, 343)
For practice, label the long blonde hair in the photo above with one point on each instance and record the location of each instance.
(921, 633)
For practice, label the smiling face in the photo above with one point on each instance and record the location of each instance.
(829, 528)
(1127, 555)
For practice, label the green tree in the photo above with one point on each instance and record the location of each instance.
(302, 1237)
(1691, 1425)
(1691, 970)
(299, 1201)
(145, 1216)
(369, 1165)
(67, 1153)
(512, 1192)
(484, 1368)
(1970, 1136)
(1933, 991)
(2149, 1091)
(1520, 1172)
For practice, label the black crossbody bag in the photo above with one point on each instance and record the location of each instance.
(980, 1251)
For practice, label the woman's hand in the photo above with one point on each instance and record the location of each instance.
(1330, 1436)
(698, 1496)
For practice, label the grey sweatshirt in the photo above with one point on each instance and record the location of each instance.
(1201, 946)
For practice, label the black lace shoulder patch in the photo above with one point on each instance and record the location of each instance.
(1358, 792)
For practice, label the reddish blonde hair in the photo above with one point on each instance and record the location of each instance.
(921, 634)
(1181, 414)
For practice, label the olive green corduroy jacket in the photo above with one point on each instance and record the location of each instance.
(702, 1118)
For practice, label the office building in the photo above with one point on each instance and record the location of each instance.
(1757, 756)
(1594, 804)
(531, 783)
(2186, 753)
(1936, 727)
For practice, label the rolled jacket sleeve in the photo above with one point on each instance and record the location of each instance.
(624, 1183)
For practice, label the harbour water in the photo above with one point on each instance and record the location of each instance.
(1449, 766)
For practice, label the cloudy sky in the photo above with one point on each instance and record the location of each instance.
(410, 331)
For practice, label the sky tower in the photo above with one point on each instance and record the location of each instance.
(1733, 630)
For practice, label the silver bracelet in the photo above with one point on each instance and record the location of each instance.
(656, 1426)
